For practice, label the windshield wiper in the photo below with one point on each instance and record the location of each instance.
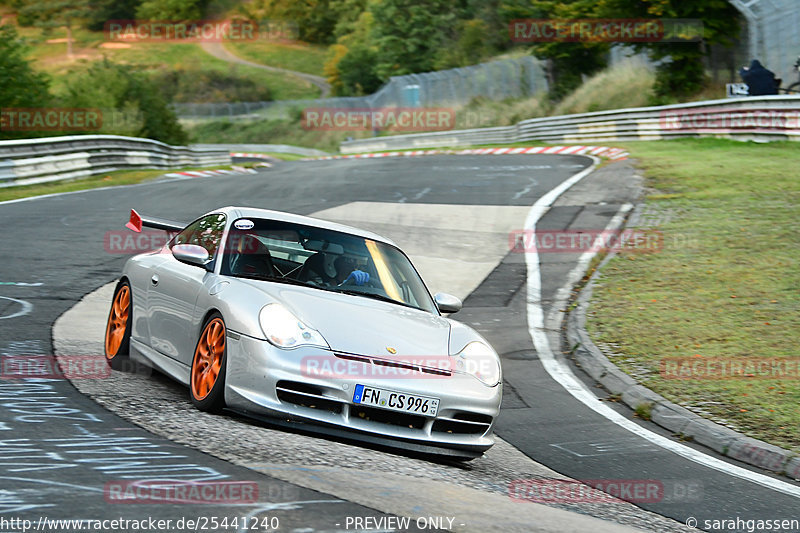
(265, 277)
(378, 297)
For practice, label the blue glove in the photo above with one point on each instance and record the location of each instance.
(359, 277)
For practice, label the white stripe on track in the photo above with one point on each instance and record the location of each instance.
(563, 375)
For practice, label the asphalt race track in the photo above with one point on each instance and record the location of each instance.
(59, 449)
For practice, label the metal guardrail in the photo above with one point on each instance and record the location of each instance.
(29, 161)
(764, 118)
(276, 148)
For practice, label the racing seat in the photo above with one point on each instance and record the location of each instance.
(314, 268)
(251, 257)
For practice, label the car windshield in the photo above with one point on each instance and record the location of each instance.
(325, 259)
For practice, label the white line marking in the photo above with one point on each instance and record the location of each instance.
(422, 193)
(583, 261)
(526, 190)
(27, 307)
(562, 374)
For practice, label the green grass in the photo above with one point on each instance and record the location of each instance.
(726, 284)
(119, 177)
(52, 59)
(484, 113)
(267, 131)
(190, 56)
(298, 56)
(627, 84)
(284, 156)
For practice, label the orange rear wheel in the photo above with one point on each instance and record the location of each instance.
(117, 341)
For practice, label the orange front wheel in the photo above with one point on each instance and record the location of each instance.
(208, 366)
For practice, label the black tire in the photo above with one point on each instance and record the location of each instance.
(117, 340)
(207, 376)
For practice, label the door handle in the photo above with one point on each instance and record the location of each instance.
(154, 279)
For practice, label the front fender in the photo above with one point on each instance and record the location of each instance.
(238, 303)
(461, 335)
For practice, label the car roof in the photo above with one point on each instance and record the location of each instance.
(236, 212)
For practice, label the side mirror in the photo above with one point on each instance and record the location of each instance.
(191, 254)
(447, 303)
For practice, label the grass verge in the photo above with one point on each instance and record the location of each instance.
(51, 57)
(726, 284)
(283, 156)
(298, 56)
(266, 131)
(119, 177)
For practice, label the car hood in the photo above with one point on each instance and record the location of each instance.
(361, 325)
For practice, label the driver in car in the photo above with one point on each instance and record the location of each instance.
(346, 264)
(330, 269)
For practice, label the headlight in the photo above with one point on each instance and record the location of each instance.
(285, 330)
(479, 360)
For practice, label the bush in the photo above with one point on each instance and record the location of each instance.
(171, 9)
(190, 85)
(20, 85)
(627, 84)
(131, 102)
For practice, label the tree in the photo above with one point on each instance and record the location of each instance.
(49, 14)
(378, 39)
(680, 71)
(103, 11)
(347, 13)
(409, 34)
(469, 48)
(351, 63)
(171, 10)
(316, 19)
(130, 101)
(570, 61)
(356, 72)
(20, 85)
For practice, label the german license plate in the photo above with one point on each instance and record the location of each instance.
(395, 401)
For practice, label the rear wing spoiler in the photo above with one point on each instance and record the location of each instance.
(137, 222)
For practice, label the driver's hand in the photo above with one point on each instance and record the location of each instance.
(359, 277)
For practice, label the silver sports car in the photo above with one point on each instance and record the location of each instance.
(303, 322)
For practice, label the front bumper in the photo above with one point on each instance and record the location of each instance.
(316, 386)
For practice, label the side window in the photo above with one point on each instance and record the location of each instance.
(205, 232)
